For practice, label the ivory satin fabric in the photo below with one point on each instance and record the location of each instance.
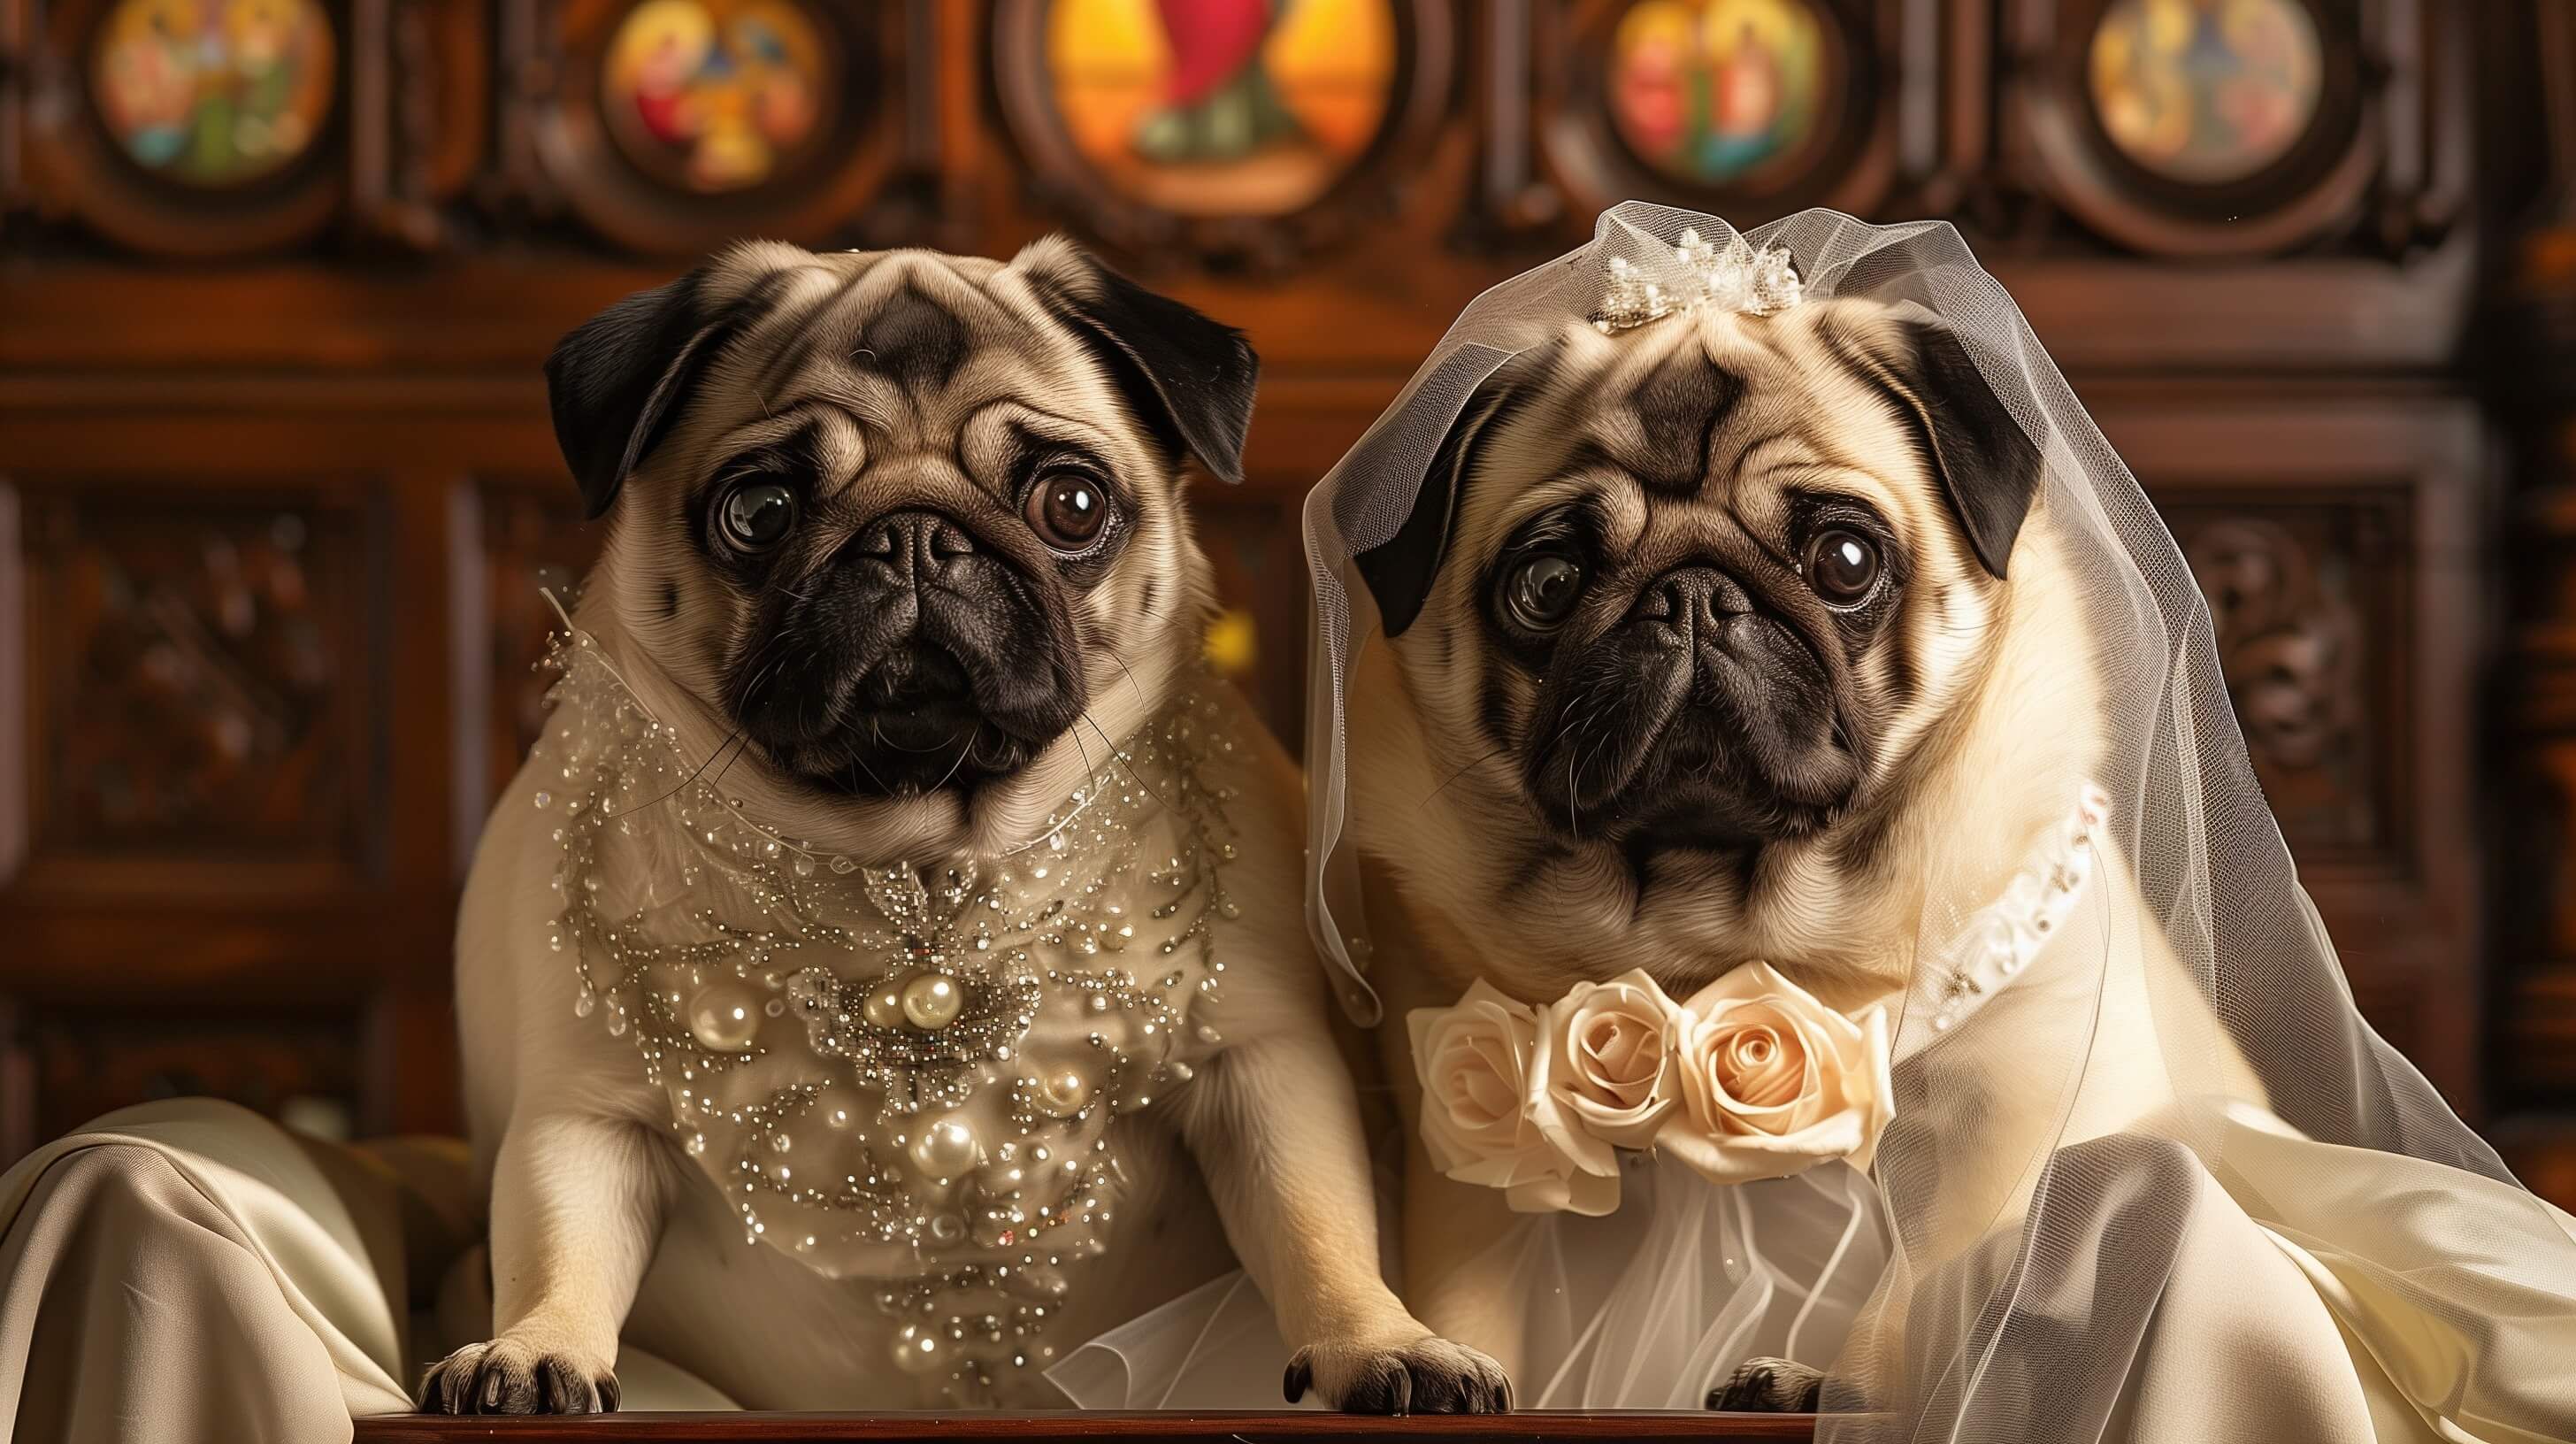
(189, 1270)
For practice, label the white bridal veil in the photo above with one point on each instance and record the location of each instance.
(2323, 1251)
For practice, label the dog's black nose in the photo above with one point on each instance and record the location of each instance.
(916, 544)
(1692, 598)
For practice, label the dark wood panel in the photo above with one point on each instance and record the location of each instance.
(74, 1064)
(2308, 599)
(499, 318)
(1259, 640)
(371, 369)
(532, 540)
(2338, 547)
(201, 680)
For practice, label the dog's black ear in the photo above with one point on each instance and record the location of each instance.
(1400, 570)
(1988, 466)
(621, 379)
(1189, 379)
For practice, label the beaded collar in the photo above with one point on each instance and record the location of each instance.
(2002, 937)
(901, 1072)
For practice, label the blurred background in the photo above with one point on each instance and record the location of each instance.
(277, 486)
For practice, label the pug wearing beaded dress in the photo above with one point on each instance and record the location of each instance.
(888, 971)
(1712, 638)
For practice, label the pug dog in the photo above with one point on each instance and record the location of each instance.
(896, 543)
(1712, 640)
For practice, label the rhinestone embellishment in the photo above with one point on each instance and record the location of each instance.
(2003, 937)
(904, 1072)
(1734, 277)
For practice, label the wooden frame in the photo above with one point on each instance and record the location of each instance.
(2062, 151)
(555, 127)
(2402, 906)
(1375, 186)
(1850, 164)
(420, 93)
(51, 505)
(74, 167)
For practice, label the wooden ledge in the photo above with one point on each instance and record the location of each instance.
(1237, 1428)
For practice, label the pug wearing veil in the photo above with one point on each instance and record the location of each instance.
(1724, 633)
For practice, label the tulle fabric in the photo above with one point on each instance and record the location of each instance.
(1648, 1308)
(1654, 1305)
(2239, 1213)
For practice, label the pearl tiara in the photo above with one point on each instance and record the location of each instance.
(1736, 277)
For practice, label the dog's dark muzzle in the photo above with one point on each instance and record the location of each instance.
(1699, 716)
(919, 657)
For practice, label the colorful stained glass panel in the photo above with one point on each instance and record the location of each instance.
(1713, 92)
(714, 95)
(214, 92)
(1222, 107)
(2205, 91)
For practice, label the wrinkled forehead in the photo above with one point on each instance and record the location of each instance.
(897, 349)
(1724, 410)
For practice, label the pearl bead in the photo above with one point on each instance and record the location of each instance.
(884, 1007)
(931, 1002)
(946, 1148)
(1063, 1093)
(724, 1018)
(917, 1351)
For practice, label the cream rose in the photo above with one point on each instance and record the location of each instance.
(1773, 1082)
(1478, 1061)
(1607, 1060)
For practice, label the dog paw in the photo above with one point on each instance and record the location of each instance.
(1768, 1386)
(1430, 1375)
(508, 1377)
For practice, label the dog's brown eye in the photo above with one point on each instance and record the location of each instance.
(1540, 592)
(1842, 565)
(756, 517)
(1067, 510)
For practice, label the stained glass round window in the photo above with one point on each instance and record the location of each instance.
(2205, 91)
(1711, 92)
(1222, 107)
(715, 95)
(214, 92)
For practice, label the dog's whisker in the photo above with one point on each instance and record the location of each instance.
(1489, 755)
(1116, 656)
(684, 783)
(1122, 761)
(968, 745)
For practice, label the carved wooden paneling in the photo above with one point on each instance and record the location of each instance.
(251, 681)
(2309, 609)
(2335, 543)
(421, 101)
(534, 542)
(1259, 639)
(2192, 130)
(63, 1067)
(201, 678)
(2535, 887)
